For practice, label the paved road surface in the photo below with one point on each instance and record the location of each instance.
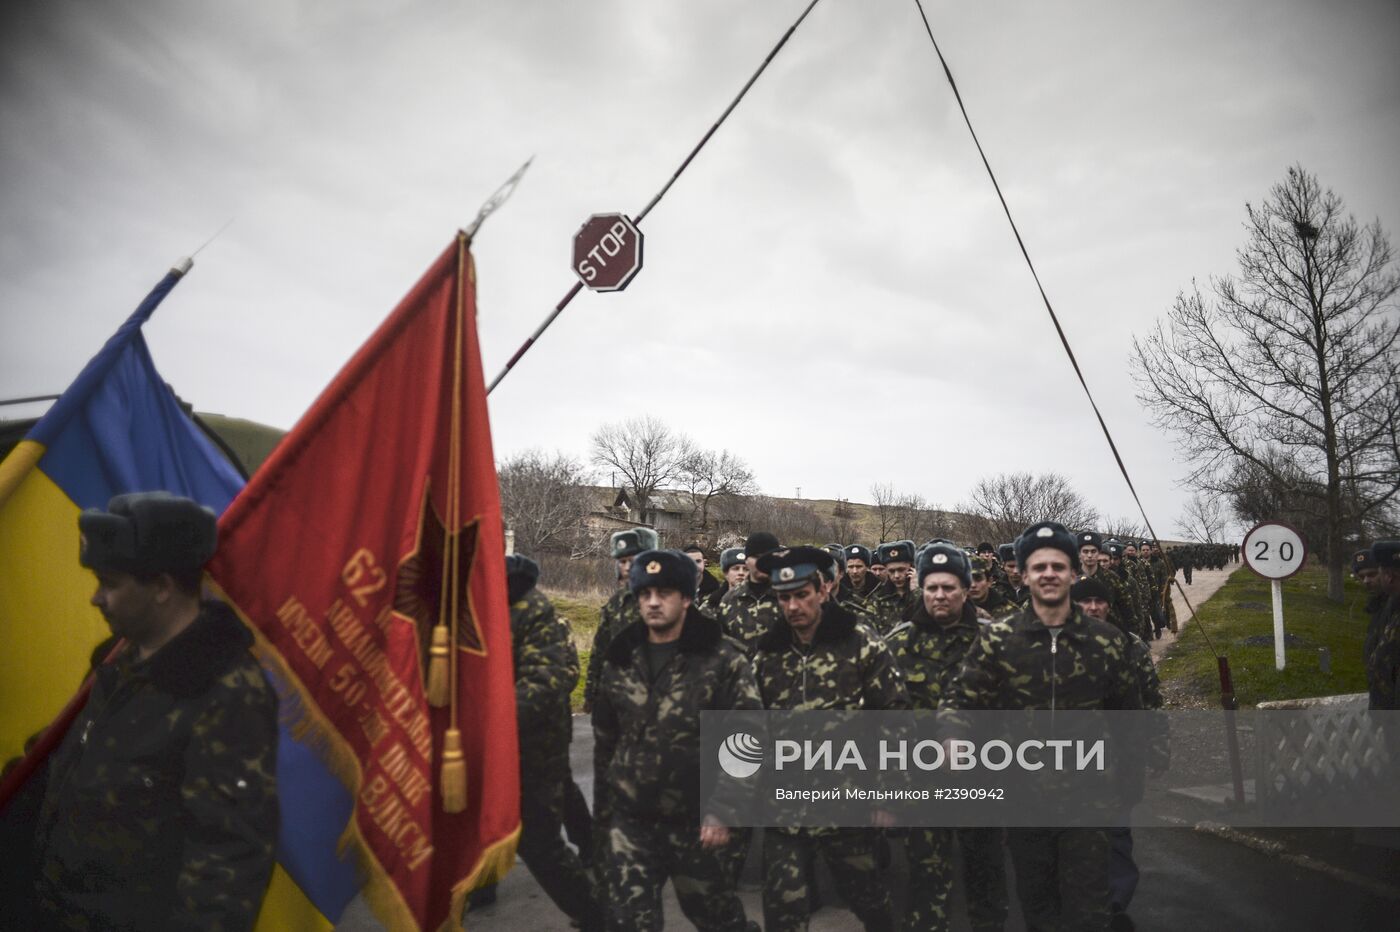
(1204, 583)
(1191, 882)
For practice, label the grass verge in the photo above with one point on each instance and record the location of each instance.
(1240, 621)
(581, 612)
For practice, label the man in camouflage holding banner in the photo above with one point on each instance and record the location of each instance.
(161, 809)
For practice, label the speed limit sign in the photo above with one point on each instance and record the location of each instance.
(1274, 550)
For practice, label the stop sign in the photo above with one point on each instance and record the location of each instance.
(607, 252)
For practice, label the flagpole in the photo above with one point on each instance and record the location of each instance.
(26, 455)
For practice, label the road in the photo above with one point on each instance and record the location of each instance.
(1190, 880)
(1204, 584)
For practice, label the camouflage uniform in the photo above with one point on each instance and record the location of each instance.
(1137, 571)
(1020, 663)
(1122, 870)
(647, 770)
(617, 613)
(1120, 605)
(747, 613)
(1120, 578)
(161, 810)
(996, 604)
(929, 654)
(546, 671)
(1382, 655)
(847, 666)
(889, 606)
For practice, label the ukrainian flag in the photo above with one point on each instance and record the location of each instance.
(118, 428)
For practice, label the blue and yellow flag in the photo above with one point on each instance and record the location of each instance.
(118, 428)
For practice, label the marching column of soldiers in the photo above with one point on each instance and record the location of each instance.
(896, 627)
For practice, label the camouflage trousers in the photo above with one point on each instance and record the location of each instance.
(1061, 878)
(553, 864)
(930, 852)
(643, 855)
(736, 854)
(849, 855)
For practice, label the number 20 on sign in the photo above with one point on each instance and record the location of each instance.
(1275, 551)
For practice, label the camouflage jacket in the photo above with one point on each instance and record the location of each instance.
(889, 606)
(930, 653)
(996, 603)
(1382, 656)
(546, 672)
(748, 612)
(847, 666)
(1121, 612)
(1150, 688)
(1121, 578)
(161, 810)
(646, 756)
(617, 613)
(1020, 663)
(1138, 572)
(863, 591)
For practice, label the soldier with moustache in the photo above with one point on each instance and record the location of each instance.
(621, 608)
(819, 656)
(746, 613)
(161, 805)
(893, 601)
(659, 674)
(929, 649)
(1051, 656)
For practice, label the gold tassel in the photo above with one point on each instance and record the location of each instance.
(454, 773)
(437, 668)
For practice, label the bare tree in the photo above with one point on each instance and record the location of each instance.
(1204, 519)
(917, 520)
(1294, 364)
(1121, 528)
(1006, 504)
(886, 508)
(708, 477)
(644, 452)
(544, 498)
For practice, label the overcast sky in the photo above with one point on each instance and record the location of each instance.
(830, 290)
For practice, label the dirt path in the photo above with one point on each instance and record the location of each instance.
(1204, 584)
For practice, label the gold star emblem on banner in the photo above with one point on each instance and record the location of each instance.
(418, 588)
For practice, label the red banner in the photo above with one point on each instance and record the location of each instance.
(373, 519)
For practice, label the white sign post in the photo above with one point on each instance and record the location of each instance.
(1275, 551)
